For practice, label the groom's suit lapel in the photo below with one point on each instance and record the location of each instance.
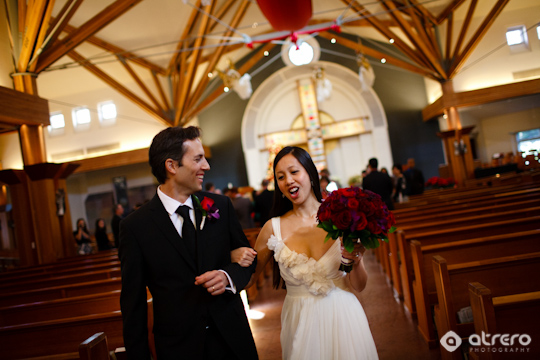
(164, 224)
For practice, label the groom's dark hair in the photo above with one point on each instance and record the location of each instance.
(169, 144)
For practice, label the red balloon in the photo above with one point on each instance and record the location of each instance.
(287, 15)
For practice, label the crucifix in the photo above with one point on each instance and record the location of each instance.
(314, 133)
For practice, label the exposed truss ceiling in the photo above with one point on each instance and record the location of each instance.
(168, 47)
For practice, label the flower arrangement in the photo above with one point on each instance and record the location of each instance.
(208, 209)
(436, 182)
(355, 216)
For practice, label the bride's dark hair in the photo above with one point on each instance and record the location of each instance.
(282, 204)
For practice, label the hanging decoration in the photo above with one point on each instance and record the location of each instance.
(365, 72)
(323, 86)
(286, 15)
(232, 80)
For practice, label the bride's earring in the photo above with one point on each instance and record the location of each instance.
(311, 183)
(282, 195)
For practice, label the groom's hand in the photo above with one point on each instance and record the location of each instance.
(214, 281)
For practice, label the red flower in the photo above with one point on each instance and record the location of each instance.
(207, 203)
(353, 213)
(342, 219)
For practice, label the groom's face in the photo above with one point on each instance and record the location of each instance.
(190, 175)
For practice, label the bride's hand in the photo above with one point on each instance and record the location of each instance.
(356, 254)
(243, 256)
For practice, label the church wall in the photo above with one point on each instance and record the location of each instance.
(403, 97)
(497, 133)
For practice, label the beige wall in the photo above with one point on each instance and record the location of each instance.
(497, 134)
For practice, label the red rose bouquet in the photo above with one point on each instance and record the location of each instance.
(355, 215)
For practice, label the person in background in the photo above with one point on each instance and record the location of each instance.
(332, 184)
(263, 200)
(243, 207)
(115, 223)
(399, 194)
(415, 178)
(210, 187)
(324, 182)
(102, 239)
(378, 182)
(82, 238)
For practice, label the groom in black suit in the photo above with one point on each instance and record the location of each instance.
(184, 261)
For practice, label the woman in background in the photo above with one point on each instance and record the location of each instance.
(102, 238)
(82, 238)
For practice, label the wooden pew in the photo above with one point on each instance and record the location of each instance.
(509, 274)
(505, 314)
(468, 210)
(425, 292)
(490, 194)
(96, 347)
(60, 308)
(60, 338)
(60, 272)
(60, 292)
(80, 261)
(77, 278)
(417, 227)
(451, 234)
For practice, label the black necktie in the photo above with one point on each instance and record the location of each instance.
(188, 230)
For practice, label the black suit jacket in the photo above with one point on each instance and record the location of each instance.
(153, 254)
(381, 184)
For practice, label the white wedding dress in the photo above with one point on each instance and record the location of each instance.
(321, 318)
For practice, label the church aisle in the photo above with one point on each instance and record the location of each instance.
(395, 332)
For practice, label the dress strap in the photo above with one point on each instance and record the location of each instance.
(276, 226)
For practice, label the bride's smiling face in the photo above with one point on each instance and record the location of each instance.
(293, 180)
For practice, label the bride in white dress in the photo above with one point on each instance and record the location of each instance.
(321, 316)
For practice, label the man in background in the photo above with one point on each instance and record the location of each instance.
(378, 182)
(115, 223)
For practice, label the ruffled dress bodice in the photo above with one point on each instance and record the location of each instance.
(321, 318)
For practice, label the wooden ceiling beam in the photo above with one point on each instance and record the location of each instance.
(217, 54)
(118, 87)
(183, 38)
(116, 50)
(379, 55)
(460, 59)
(415, 36)
(186, 84)
(41, 36)
(62, 19)
(464, 28)
(480, 97)
(34, 16)
(449, 31)
(424, 27)
(425, 12)
(98, 22)
(449, 10)
(141, 84)
(161, 92)
(257, 55)
(389, 34)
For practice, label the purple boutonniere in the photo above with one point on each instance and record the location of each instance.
(208, 209)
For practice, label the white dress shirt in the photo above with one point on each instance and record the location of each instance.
(171, 205)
